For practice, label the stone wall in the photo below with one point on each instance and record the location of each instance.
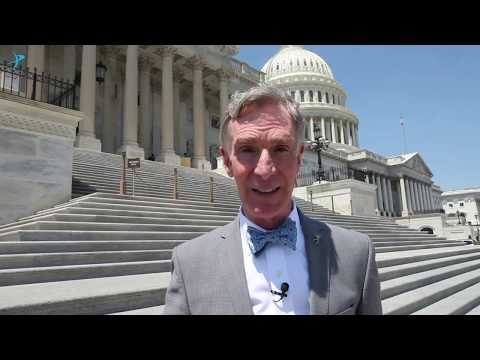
(36, 147)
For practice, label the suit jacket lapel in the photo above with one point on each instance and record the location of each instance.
(318, 248)
(232, 255)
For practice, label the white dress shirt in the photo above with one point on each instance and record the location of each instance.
(271, 267)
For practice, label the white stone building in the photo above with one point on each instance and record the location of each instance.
(404, 185)
(155, 99)
(464, 201)
(168, 101)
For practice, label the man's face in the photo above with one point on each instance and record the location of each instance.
(261, 154)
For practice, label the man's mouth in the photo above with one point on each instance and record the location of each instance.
(266, 191)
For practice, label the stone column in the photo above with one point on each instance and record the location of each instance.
(324, 133)
(412, 196)
(356, 134)
(408, 194)
(390, 197)
(199, 160)
(223, 77)
(334, 133)
(156, 121)
(416, 194)
(178, 78)
(342, 132)
(349, 137)
(108, 132)
(312, 132)
(404, 192)
(35, 59)
(167, 151)
(86, 136)
(430, 198)
(130, 106)
(425, 200)
(145, 136)
(422, 199)
(69, 63)
(385, 196)
(379, 195)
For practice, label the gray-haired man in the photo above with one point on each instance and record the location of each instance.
(271, 259)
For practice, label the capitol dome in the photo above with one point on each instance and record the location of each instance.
(322, 99)
(296, 59)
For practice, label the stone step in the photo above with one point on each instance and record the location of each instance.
(474, 311)
(87, 296)
(59, 246)
(134, 220)
(411, 301)
(397, 258)
(167, 208)
(141, 177)
(93, 226)
(379, 244)
(68, 235)
(410, 282)
(391, 272)
(12, 261)
(457, 304)
(162, 202)
(157, 200)
(393, 240)
(163, 189)
(154, 310)
(73, 272)
(414, 247)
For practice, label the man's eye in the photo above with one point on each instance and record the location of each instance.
(247, 149)
(282, 149)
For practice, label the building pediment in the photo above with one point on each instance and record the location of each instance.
(417, 164)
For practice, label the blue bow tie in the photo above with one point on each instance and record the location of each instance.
(286, 235)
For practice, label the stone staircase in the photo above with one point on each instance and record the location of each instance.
(105, 253)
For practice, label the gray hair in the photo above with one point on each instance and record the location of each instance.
(256, 95)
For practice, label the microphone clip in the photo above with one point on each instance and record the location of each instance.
(283, 288)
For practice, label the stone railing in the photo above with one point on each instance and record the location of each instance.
(365, 154)
(244, 70)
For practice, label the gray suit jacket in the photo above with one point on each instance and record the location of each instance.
(208, 275)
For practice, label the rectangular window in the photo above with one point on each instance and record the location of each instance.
(319, 96)
(326, 98)
(311, 95)
(461, 204)
(302, 96)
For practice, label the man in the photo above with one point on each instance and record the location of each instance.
(271, 259)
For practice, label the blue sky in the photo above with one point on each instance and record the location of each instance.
(435, 88)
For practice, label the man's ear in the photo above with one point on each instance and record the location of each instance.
(301, 152)
(227, 163)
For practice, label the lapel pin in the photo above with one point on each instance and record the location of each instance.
(316, 239)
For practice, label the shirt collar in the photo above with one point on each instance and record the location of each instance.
(244, 219)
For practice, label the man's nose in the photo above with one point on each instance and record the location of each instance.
(265, 166)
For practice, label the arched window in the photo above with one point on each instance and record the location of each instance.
(302, 96)
(319, 96)
(333, 99)
(311, 95)
(327, 100)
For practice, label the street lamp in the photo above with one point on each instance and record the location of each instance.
(100, 72)
(318, 145)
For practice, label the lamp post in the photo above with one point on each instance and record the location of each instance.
(100, 72)
(318, 145)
